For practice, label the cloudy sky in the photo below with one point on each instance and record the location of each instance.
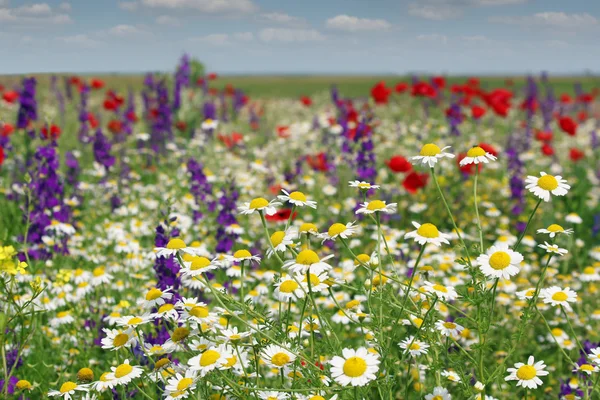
(301, 36)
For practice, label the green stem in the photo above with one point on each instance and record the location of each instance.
(522, 235)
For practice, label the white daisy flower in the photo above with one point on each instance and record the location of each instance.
(552, 248)
(547, 184)
(288, 289)
(554, 230)
(155, 297)
(180, 385)
(527, 374)
(276, 356)
(500, 262)
(448, 328)
(413, 346)
(259, 204)
(574, 218)
(586, 369)
(233, 335)
(374, 206)
(307, 260)
(282, 240)
(297, 198)
(444, 292)
(477, 155)
(67, 390)
(355, 367)
(212, 358)
(116, 339)
(430, 154)
(242, 255)
(339, 230)
(439, 393)
(124, 373)
(451, 376)
(209, 124)
(174, 247)
(594, 355)
(273, 395)
(131, 321)
(197, 265)
(362, 185)
(555, 296)
(427, 233)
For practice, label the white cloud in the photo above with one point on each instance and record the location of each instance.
(124, 30)
(353, 24)
(290, 35)
(282, 18)
(243, 36)
(435, 12)
(80, 40)
(206, 6)
(167, 20)
(551, 19)
(497, 2)
(128, 5)
(65, 6)
(224, 39)
(38, 13)
(34, 10)
(433, 37)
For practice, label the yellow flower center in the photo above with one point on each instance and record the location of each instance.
(123, 370)
(317, 397)
(231, 361)
(242, 254)
(67, 387)
(586, 367)
(547, 182)
(259, 202)
(280, 359)
(199, 262)
(352, 303)
(375, 205)
(560, 296)
(165, 307)
(589, 270)
(440, 288)
(526, 372)
(23, 385)
(449, 325)
(176, 244)
(314, 279)
(364, 185)
(209, 357)
(437, 398)
(336, 229)
(499, 260)
(184, 383)
(555, 227)
(153, 294)
(199, 312)
(180, 334)
(475, 152)
(235, 336)
(308, 227)
(288, 286)
(530, 292)
(277, 238)
(298, 196)
(307, 257)
(428, 231)
(120, 339)
(354, 367)
(135, 321)
(430, 150)
(557, 332)
(98, 271)
(62, 314)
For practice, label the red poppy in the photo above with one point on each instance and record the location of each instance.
(568, 126)
(473, 82)
(439, 82)
(131, 117)
(477, 112)
(423, 89)
(565, 99)
(317, 162)
(212, 76)
(7, 129)
(488, 148)
(75, 81)
(97, 83)
(529, 105)
(283, 131)
(399, 164)
(380, 93)
(200, 81)
(499, 101)
(11, 96)
(229, 89)
(586, 98)
(582, 116)
(547, 149)
(468, 169)
(415, 181)
(576, 154)
(115, 126)
(231, 140)
(401, 87)
(92, 120)
(110, 105)
(181, 126)
(281, 215)
(306, 101)
(53, 133)
(1, 155)
(544, 136)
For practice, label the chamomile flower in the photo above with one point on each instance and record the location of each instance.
(500, 262)
(132, 321)
(156, 297)
(243, 255)
(297, 198)
(273, 395)
(288, 289)
(586, 369)
(116, 339)
(362, 185)
(373, 206)
(180, 385)
(281, 241)
(355, 367)
(449, 328)
(259, 204)
(232, 335)
(212, 358)
(197, 265)
(594, 355)
(554, 230)
(276, 356)
(209, 124)
(174, 246)
(439, 393)
(67, 390)
(430, 154)
(556, 296)
(413, 346)
(427, 233)
(545, 185)
(552, 248)
(124, 373)
(477, 155)
(451, 376)
(528, 374)
(339, 230)
(307, 260)
(574, 218)
(444, 292)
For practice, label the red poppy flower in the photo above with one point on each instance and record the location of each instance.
(306, 101)
(317, 162)
(473, 82)
(401, 87)
(281, 215)
(1, 87)
(582, 116)
(565, 99)
(115, 126)
(231, 140)
(92, 120)
(110, 105)
(212, 76)
(477, 112)
(586, 98)
(439, 82)
(181, 126)
(97, 83)
(544, 136)
(283, 131)
(11, 96)
(131, 117)
(52, 133)
(568, 126)
(547, 149)
(488, 148)
(7, 129)
(576, 154)
(423, 89)
(200, 81)
(75, 81)
(399, 164)
(380, 93)
(415, 181)
(1, 155)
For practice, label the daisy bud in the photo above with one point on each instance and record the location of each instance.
(23, 385)
(85, 375)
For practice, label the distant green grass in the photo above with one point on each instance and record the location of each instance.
(298, 85)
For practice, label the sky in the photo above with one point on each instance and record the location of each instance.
(302, 36)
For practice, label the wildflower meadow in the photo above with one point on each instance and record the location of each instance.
(180, 238)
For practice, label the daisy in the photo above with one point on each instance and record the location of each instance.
(427, 233)
(298, 199)
(595, 355)
(546, 184)
(413, 346)
(555, 296)
(281, 241)
(477, 155)
(362, 185)
(500, 262)
(132, 321)
(554, 230)
(586, 368)
(451, 376)
(180, 385)
(448, 328)
(197, 265)
(209, 124)
(174, 247)
(124, 373)
(552, 248)
(156, 297)
(373, 206)
(232, 335)
(444, 292)
(273, 395)
(307, 260)
(259, 204)
(439, 393)
(243, 255)
(117, 339)
(589, 274)
(339, 230)
(277, 356)
(210, 359)
(429, 155)
(318, 282)
(527, 374)
(288, 288)
(574, 218)
(103, 383)
(355, 367)
(68, 389)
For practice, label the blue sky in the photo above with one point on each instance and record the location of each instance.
(294, 36)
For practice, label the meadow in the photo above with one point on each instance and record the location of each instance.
(196, 236)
